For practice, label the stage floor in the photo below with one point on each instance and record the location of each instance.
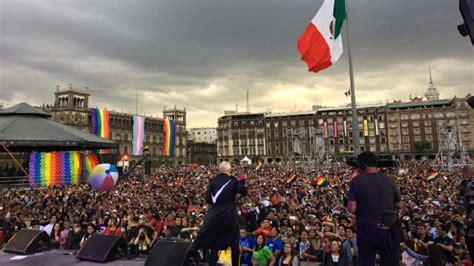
(59, 258)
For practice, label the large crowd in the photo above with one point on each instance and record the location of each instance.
(297, 223)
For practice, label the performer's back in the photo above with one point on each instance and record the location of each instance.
(220, 229)
(223, 189)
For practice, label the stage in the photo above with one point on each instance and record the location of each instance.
(59, 258)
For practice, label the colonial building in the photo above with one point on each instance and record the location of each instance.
(71, 107)
(240, 134)
(391, 128)
(202, 135)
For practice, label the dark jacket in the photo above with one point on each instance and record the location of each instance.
(342, 260)
(221, 224)
(73, 240)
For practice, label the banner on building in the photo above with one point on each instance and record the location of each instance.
(325, 129)
(334, 128)
(366, 127)
(169, 128)
(376, 127)
(100, 123)
(345, 128)
(138, 135)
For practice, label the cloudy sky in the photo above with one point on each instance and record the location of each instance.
(205, 54)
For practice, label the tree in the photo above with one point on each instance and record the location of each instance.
(422, 147)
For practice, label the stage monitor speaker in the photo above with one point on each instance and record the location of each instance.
(103, 248)
(470, 101)
(166, 253)
(28, 242)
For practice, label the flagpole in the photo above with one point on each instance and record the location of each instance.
(355, 121)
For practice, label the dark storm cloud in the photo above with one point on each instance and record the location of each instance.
(206, 54)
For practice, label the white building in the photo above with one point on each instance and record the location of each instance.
(202, 135)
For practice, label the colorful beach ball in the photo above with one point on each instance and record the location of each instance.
(103, 177)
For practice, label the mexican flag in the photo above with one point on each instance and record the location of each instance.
(321, 44)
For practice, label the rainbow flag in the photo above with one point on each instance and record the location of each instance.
(169, 127)
(432, 177)
(91, 162)
(321, 182)
(55, 168)
(258, 166)
(100, 123)
(291, 178)
(138, 135)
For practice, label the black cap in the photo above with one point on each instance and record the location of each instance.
(366, 159)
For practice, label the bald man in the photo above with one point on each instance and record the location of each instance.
(220, 229)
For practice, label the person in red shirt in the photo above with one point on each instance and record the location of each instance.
(265, 229)
(112, 229)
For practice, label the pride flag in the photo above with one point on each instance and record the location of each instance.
(91, 162)
(100, 123)
(169, 127)
(321, 181)
(55, 168)
(258, 166)
(432, 177)
(138, 135)
(291, 178)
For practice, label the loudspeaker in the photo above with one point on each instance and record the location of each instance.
(166, 253)
(470, 101)
(103, 248)
(28, 242)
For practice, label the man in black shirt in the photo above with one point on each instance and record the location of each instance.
(446, 243)
(373, 198)
(221, 224)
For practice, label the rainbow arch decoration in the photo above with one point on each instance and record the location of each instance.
(55, 168)
(100, 123)
(169, 128)
(91, 161)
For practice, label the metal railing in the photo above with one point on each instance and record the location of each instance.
(14, 181)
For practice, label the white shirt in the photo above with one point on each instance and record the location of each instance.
(48, 228)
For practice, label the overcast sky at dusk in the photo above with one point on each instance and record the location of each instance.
(205, 54)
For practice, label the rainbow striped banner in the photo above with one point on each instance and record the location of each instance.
(100, 123)
(291, 178)
(55, 168)
(169, 127)
(321, 181)
(91, 162)
(432, 177)
(138, 135)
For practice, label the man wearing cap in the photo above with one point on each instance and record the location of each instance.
(221, 223)
(373, 198)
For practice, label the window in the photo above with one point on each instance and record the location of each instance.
(415, 116)
(405, 131)
(284, 123)
(372, 140)
(416, 131)
(404, 124)
(416, 123)
(428, 130)
(406, 139)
